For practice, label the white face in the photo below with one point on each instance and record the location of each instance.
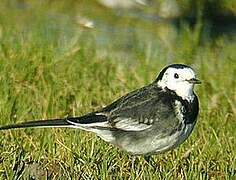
(178, 80)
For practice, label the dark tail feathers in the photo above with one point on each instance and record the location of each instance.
(38, 123)
(66, 122)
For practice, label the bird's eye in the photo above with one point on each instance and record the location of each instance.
(176, 76)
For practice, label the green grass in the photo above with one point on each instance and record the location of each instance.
(51, 67)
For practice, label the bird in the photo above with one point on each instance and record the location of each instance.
(151, 120)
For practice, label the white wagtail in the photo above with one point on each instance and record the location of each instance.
(149, 120)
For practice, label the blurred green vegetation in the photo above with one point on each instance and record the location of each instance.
(51, 65)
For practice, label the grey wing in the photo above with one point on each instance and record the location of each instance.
(147, 115)
(147, 109)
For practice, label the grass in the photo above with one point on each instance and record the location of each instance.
(51, 67)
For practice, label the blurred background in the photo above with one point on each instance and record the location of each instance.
(63, 58)
(122, 29)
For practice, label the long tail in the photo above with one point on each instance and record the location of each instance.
(88, 120)
(38, 123)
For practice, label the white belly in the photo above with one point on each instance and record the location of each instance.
(174, 140)
(157, 145)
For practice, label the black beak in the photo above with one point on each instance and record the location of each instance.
(194, 81)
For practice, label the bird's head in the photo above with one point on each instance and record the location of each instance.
(178, 78)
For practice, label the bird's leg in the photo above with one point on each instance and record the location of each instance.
(133, 161)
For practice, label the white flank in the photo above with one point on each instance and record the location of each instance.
(129, 124)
